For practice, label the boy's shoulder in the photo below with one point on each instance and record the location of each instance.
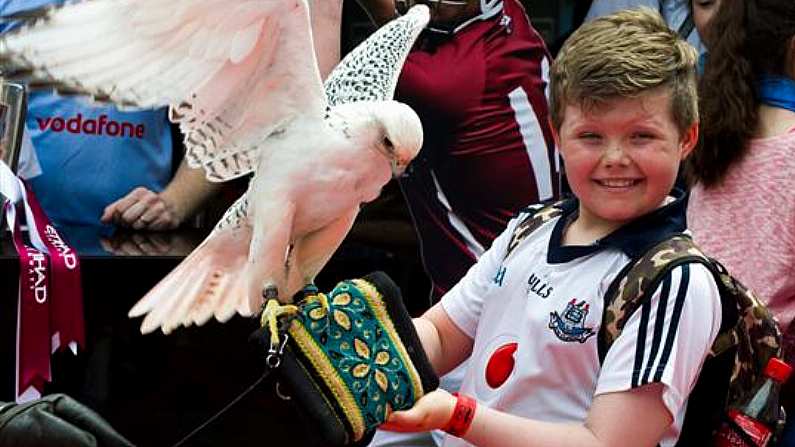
(634, 238)
(698, 276)
(532, 217)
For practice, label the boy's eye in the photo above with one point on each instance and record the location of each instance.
(589, 136)
(642, 136)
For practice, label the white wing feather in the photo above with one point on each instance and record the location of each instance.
(232, 71)
(368, 73)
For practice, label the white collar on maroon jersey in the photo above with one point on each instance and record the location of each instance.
(488, 9)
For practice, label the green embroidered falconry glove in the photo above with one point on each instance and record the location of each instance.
(348, 358)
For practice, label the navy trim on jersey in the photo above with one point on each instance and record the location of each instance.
(634, 238)
(559, 253)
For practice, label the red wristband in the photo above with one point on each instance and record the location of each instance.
(463, 414)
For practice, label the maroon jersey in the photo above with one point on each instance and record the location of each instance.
(488, 149)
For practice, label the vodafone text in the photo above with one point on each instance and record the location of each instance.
(90, 126)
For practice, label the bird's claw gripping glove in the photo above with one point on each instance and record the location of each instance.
(349, 357)
(55, 420)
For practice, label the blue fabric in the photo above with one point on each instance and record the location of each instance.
(8, 7)
(91, 156)
(702, 62)
(776, 91)
(13, 6)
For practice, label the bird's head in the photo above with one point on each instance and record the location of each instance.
(399, 133)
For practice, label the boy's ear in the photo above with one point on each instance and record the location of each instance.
(689, 140)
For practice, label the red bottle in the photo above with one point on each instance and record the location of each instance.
(751, 423)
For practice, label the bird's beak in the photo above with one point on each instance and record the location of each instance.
(397, 169)
(398, 166)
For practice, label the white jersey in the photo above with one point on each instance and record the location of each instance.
(535, 319)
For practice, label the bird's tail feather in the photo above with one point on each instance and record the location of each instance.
(208, 283)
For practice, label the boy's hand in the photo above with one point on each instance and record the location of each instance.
(431, 412)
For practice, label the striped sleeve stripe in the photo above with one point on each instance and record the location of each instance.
(658, 325)
(641, 343)
(650, 360)
(669, 341)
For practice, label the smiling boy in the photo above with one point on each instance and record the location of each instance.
(624, 109)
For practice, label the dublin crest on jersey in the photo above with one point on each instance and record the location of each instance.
(571, 325)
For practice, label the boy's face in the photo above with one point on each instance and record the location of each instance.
(622, 156)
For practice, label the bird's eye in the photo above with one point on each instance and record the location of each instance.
(388, 143)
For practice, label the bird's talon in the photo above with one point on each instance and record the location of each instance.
(270, 293)
(270, 317)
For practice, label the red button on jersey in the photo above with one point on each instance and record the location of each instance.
(500, 365)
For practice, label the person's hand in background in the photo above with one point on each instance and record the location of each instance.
(143, 209)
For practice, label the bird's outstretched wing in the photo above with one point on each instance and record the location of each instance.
(371, 70)
(231, 70)
(368, 73)
(246, 252)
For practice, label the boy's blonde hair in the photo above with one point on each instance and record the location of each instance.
(624, 55)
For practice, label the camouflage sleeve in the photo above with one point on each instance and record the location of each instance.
(667, 338)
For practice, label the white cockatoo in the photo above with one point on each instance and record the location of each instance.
(241, 78)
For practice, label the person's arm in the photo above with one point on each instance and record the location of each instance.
(326, 28)
(143, 209)
(445, 344)
(691, 307)
(606, 426)
(379, 11)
